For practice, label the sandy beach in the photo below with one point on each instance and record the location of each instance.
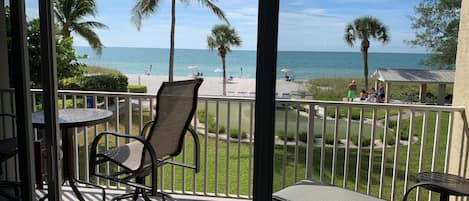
(213, 86)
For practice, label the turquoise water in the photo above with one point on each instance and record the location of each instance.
(305, 65)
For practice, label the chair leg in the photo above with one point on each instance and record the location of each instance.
(444, 197)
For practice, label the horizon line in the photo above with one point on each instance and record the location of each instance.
(326, 51)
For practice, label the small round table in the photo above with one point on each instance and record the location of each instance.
(68, 120)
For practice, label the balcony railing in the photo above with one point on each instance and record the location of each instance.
(370, 148)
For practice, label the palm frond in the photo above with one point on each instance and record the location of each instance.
(141, 9)
(91, 36)
(349, 35)
(215, 9)
(93, 24)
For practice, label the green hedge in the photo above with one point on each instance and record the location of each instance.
(235, 134)
(105, 82)
(116, 82)
(137, 88)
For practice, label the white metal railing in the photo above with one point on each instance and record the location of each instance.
(370, 148)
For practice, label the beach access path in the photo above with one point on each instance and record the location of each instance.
(213, 86)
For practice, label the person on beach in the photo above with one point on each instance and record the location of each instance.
(352, 91)
(380, 94)
(372, 95)
(363, 95)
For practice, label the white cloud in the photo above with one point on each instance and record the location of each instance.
(246, 16)
(314, 11)
(296, 3)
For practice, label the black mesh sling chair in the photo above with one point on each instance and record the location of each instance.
(159, 141)
(9, 190)
(442, 183)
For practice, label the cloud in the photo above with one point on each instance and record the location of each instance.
(246, 16)
(296, 3)
(314, 11)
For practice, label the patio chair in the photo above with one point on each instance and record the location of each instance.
(159, 141)
(309, 190)
(9, 190)
(445, 184)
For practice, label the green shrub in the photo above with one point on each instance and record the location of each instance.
(329, 139)
(392, 124)
(390, 139)
(73, 83)
(212, 127)
(137, 88)
(105, 82)
(303, 136)
(365, 141)
(235, 134)
(355, 116)
(201, 116)
(221, 129)
(290, 135)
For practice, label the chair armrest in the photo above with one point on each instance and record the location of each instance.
(146, 146)
(197, 149)
(145, 127)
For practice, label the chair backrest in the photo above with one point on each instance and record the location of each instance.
(175, 107)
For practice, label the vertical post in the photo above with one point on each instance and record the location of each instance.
(461, 95)
(267, 34)
(49, 83)
(5, 84)
(422, 92)
(4, 70)
(388, 95)
(22, 98)
(441, 94)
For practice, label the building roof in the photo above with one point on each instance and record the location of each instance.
(414, 75)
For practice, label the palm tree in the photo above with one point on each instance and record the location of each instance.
(223, 38)
(70, 16)
(364, 29)
(144, 8)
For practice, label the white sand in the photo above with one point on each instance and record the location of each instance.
(213, 86)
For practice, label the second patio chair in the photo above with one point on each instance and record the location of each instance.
(159, 141)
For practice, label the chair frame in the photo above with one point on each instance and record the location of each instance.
(143, 171)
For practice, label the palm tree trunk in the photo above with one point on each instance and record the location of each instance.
(365, 66)
(171, 49)
(364, 49)
(224, 74)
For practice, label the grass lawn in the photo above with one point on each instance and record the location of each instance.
(183, 180)
(291, 116)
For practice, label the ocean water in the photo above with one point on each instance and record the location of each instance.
(304, 65)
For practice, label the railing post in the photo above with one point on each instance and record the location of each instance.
(310, 143)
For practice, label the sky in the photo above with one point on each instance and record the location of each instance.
(304, 25)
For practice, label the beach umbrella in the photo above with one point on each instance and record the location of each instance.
(192, 68)
(286, 70)
(218, 70)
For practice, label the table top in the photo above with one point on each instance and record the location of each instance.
(71, 118)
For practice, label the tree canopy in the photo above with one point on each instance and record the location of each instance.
(437, 24)
(66, 58)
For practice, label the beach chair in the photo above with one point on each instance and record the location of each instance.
(159, 141)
